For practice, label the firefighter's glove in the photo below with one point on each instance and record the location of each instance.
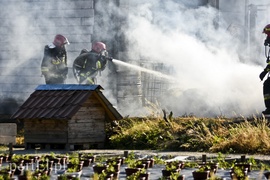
(262, 75)
(109, 58)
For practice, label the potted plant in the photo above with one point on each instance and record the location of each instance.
(115, 163)
(134, 176)
(27, 175)
(90, 158)
(74, 172)
(177, 164)
(239, 173)
(100, 167)
(140, 164)
(175, 176)
(244, 165)
(201, 173)
(114, 169)
(170, 169)
(132, 167)
(74, 162)
(210, 166)
(104, 176)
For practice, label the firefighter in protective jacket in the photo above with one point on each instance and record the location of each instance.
(89, 63)
(54, 62)
(266, 84)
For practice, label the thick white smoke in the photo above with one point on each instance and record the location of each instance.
(212, 79)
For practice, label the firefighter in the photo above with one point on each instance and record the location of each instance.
(89, 63)
(54, 63)
(266, 84)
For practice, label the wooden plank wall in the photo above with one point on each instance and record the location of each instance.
(45, 131)
(88, 124)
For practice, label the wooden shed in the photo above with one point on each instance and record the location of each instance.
(67, 116)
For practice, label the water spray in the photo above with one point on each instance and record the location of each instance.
(139, 68)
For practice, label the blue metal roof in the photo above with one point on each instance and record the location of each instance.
(68, 87)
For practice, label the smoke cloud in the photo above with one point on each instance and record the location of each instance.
(213, 80)
(214, 74)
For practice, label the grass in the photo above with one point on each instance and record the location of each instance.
(193, 134)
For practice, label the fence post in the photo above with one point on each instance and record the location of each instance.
(204, 158)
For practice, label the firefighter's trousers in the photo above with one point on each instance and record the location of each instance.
(266, 93)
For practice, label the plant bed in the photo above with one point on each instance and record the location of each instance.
(201, 175)
(88, 156)
(169, 172)
(99, 168)
(239, 172)
(247, 166)
(175, 164)
(79, 167)
(212, 167)
(130, 171)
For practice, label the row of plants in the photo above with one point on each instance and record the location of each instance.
(109, 167)
(137, 169)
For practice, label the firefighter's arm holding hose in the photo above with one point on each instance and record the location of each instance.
(103, 60)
